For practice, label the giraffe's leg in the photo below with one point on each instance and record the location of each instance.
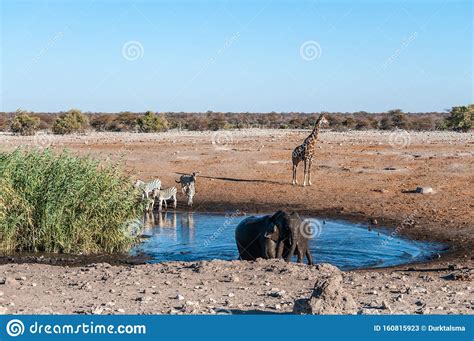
(295, 181)
(295, 161)
(310, 162)
(305, 172)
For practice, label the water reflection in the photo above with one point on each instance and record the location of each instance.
(187, 227)
(166, 219)
(166, 223)
(187, 220)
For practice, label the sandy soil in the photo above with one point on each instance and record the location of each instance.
(364, 176)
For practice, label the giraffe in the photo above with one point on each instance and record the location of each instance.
(305, 152)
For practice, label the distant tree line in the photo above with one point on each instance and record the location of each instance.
(459, 118)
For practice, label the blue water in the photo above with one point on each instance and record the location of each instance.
(175, 236)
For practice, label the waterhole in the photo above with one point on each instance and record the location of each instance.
(176, 236)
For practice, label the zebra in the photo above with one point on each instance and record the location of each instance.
(147, 192)
(165, 194)
(186, 180)
(190, 191)
(139, 184)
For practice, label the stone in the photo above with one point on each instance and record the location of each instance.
(3, 310)
(329, 296)
(386, 306)
(366, 311)
(424, 190)
(275, 292)
(97, 311)
(3, 280)
(459, 275)
(179, 297)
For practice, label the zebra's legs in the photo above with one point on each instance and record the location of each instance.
(160, 208)
(175, 202)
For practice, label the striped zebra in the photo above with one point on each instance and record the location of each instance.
(190, 191)
(165, 194)
(147, 192)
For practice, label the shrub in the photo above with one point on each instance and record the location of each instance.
(363, 124)
(23, 124)
(386, 123)
(349, 122)
(74, 121)
(63, 203)
(125, 121)
(216, 121)
(152, 122)
(461, 118)
(102, 122)
(422, 123)
(199, 122)
(399, 119)
(3, 121)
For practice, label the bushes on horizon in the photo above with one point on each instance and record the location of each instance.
(399, 119)
(422, 123)
(125, 121)
(151, 123)
(74, 121)
(102, 122)
(64, 203)
(24, 124)
(461, 118)
(216, 121)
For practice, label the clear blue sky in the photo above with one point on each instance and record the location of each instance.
(236, 55)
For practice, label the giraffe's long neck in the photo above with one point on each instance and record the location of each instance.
(314, 134)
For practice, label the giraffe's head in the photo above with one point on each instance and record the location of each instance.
(322, 121)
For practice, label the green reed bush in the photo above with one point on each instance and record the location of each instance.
(64, 203)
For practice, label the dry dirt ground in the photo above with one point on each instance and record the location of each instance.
(356, 175)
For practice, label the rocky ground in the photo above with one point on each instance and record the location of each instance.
(363, 176)
(237, 287)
